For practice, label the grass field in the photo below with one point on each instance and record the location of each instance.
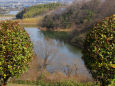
(1, 15)
(30, 21)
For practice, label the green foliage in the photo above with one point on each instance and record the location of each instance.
(15, 50)
(99, 51)
(51, 83)
(57, 35)
(37, 10)
(64, 83)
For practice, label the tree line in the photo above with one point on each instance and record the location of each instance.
(37, 10)
(80, 17)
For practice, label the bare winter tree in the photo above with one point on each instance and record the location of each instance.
(47, 53)
(70, 69)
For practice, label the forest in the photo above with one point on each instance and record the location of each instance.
(80, 17)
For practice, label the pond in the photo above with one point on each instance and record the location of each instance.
(59, 52)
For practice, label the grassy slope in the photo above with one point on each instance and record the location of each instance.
(29, 21)
(37, 10)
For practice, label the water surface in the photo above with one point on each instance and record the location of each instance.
(60, 53)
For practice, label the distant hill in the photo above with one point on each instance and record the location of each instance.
(37, 10)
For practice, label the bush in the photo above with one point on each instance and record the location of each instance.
(99, 51)
(54, 83)
(64, 83)
(15, 50)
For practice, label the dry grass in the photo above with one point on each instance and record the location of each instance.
(10, 84)
(2, 15)
(34, 73)
(30, 21)
(27, 21)
(57, 29)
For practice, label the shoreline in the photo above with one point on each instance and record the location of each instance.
(33, 22)
(59, 36)
(58, 29)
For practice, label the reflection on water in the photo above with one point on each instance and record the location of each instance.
(58, 52)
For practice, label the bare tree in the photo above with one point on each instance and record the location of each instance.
(47, 52)
(70, 69)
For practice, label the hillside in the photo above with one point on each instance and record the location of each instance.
(37, 10)
(80, 17)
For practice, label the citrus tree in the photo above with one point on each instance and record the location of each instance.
(99, 51)
(15, 50)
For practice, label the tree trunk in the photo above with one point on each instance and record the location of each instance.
(5, 81)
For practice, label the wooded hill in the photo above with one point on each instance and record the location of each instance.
(37, 10)
(80, 17)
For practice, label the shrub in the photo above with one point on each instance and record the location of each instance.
(99, 51)
(15, 50)
(54, 83)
